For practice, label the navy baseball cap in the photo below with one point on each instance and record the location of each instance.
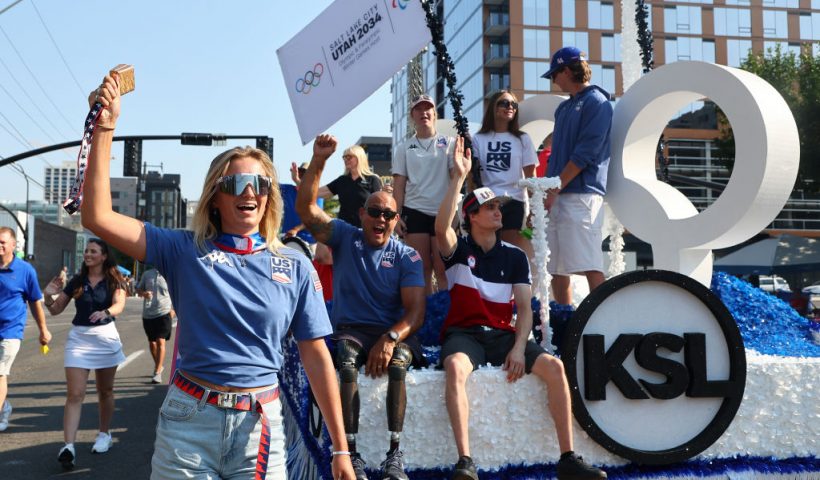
(563, 57)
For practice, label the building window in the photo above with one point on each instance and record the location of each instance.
(737, 51)
(611, 47)
(738, 2)
(689, 48)
(785, 48)
(537, 12)
(733, 22)
(775, 24)
(810, 26)
(532, 76)
(682, 19)
(577, 39)
(786, 3)
(537, 43)
(568, 13)
(601, 15)
(603, 76)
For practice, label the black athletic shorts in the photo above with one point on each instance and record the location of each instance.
(512, 215)
(159, 327)
(486, 345)
(368, 335)
(418, 222)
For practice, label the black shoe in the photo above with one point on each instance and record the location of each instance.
(573, 467)
(358, 466)
(464, 469)
(66, 457)
(393, 466)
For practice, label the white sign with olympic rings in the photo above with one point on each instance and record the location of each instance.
(344, 55)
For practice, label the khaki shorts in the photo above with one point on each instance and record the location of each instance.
(574, 234)
(8, 352)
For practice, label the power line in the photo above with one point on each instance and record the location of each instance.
(28, 115)
(23, 61)
(13, 4)
(25, 92)
(56, 47)
(21, 140)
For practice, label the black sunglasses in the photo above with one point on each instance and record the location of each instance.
(507, 104)
(377, 212)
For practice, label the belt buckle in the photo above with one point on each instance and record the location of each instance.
(227, 400)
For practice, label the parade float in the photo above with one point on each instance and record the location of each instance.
(677, 372)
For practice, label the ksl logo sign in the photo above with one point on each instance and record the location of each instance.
(656, 366)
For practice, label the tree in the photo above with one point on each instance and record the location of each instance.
(797, 78)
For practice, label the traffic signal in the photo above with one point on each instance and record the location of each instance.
(132, 159)
(197, 139)
(266, 145)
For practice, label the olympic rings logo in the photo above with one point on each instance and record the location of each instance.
(311, 79)
(400, 4)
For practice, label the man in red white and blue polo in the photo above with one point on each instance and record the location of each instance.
(487, 277)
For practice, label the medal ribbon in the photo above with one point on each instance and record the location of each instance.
(75, 196)
(240, 244)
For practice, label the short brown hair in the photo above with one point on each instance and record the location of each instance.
(10, 231)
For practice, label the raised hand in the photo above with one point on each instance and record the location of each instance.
(462, 159)
(324, 145)
(108, 93)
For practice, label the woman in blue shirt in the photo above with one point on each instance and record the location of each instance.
(237, 292)
(93, 342)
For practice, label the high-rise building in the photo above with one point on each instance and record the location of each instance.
(124, 195)
(164, 205)
(58, 181)
(496, 44)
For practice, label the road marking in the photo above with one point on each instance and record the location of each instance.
(130, 358)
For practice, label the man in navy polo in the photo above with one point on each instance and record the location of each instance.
(18, 286)
(487, 277)
(378, 303)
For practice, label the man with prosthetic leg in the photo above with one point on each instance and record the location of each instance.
(378, 304)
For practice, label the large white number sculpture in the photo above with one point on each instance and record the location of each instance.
(766, 162)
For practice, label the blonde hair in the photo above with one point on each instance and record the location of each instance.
(364, 165)
(206, 223)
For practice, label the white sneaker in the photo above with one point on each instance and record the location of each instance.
(102, 443)
(157, 378)
(67, 456)
(5, 414)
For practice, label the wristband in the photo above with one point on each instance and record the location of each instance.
(339, 452)
(107, 313)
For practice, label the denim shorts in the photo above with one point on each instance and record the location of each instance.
(206, 441)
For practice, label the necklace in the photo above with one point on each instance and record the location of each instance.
(427, 148)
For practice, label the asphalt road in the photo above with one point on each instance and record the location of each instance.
(28, 449)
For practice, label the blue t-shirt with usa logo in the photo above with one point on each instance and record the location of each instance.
(234, 310)
(367, 281)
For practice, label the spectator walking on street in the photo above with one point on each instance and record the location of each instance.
(93, 342)
(18, 287)
(157, 315)
(238, 294)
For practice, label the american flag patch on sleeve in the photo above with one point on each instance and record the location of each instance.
(415, 257)
(317, 284)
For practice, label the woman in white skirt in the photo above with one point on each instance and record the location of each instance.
(93, 342)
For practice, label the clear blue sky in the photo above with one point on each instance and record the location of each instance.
(201, 66)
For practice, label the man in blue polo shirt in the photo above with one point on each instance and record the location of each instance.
(487, 278)
(580, 157)
(378, 303)
(18, 286)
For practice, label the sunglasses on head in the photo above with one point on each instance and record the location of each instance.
(236, 184)
(377, 212)
(507, 104)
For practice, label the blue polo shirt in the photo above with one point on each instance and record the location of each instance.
(582, 128)
(92, 299)
(18, 285)
(367, 281)
(235, 310)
